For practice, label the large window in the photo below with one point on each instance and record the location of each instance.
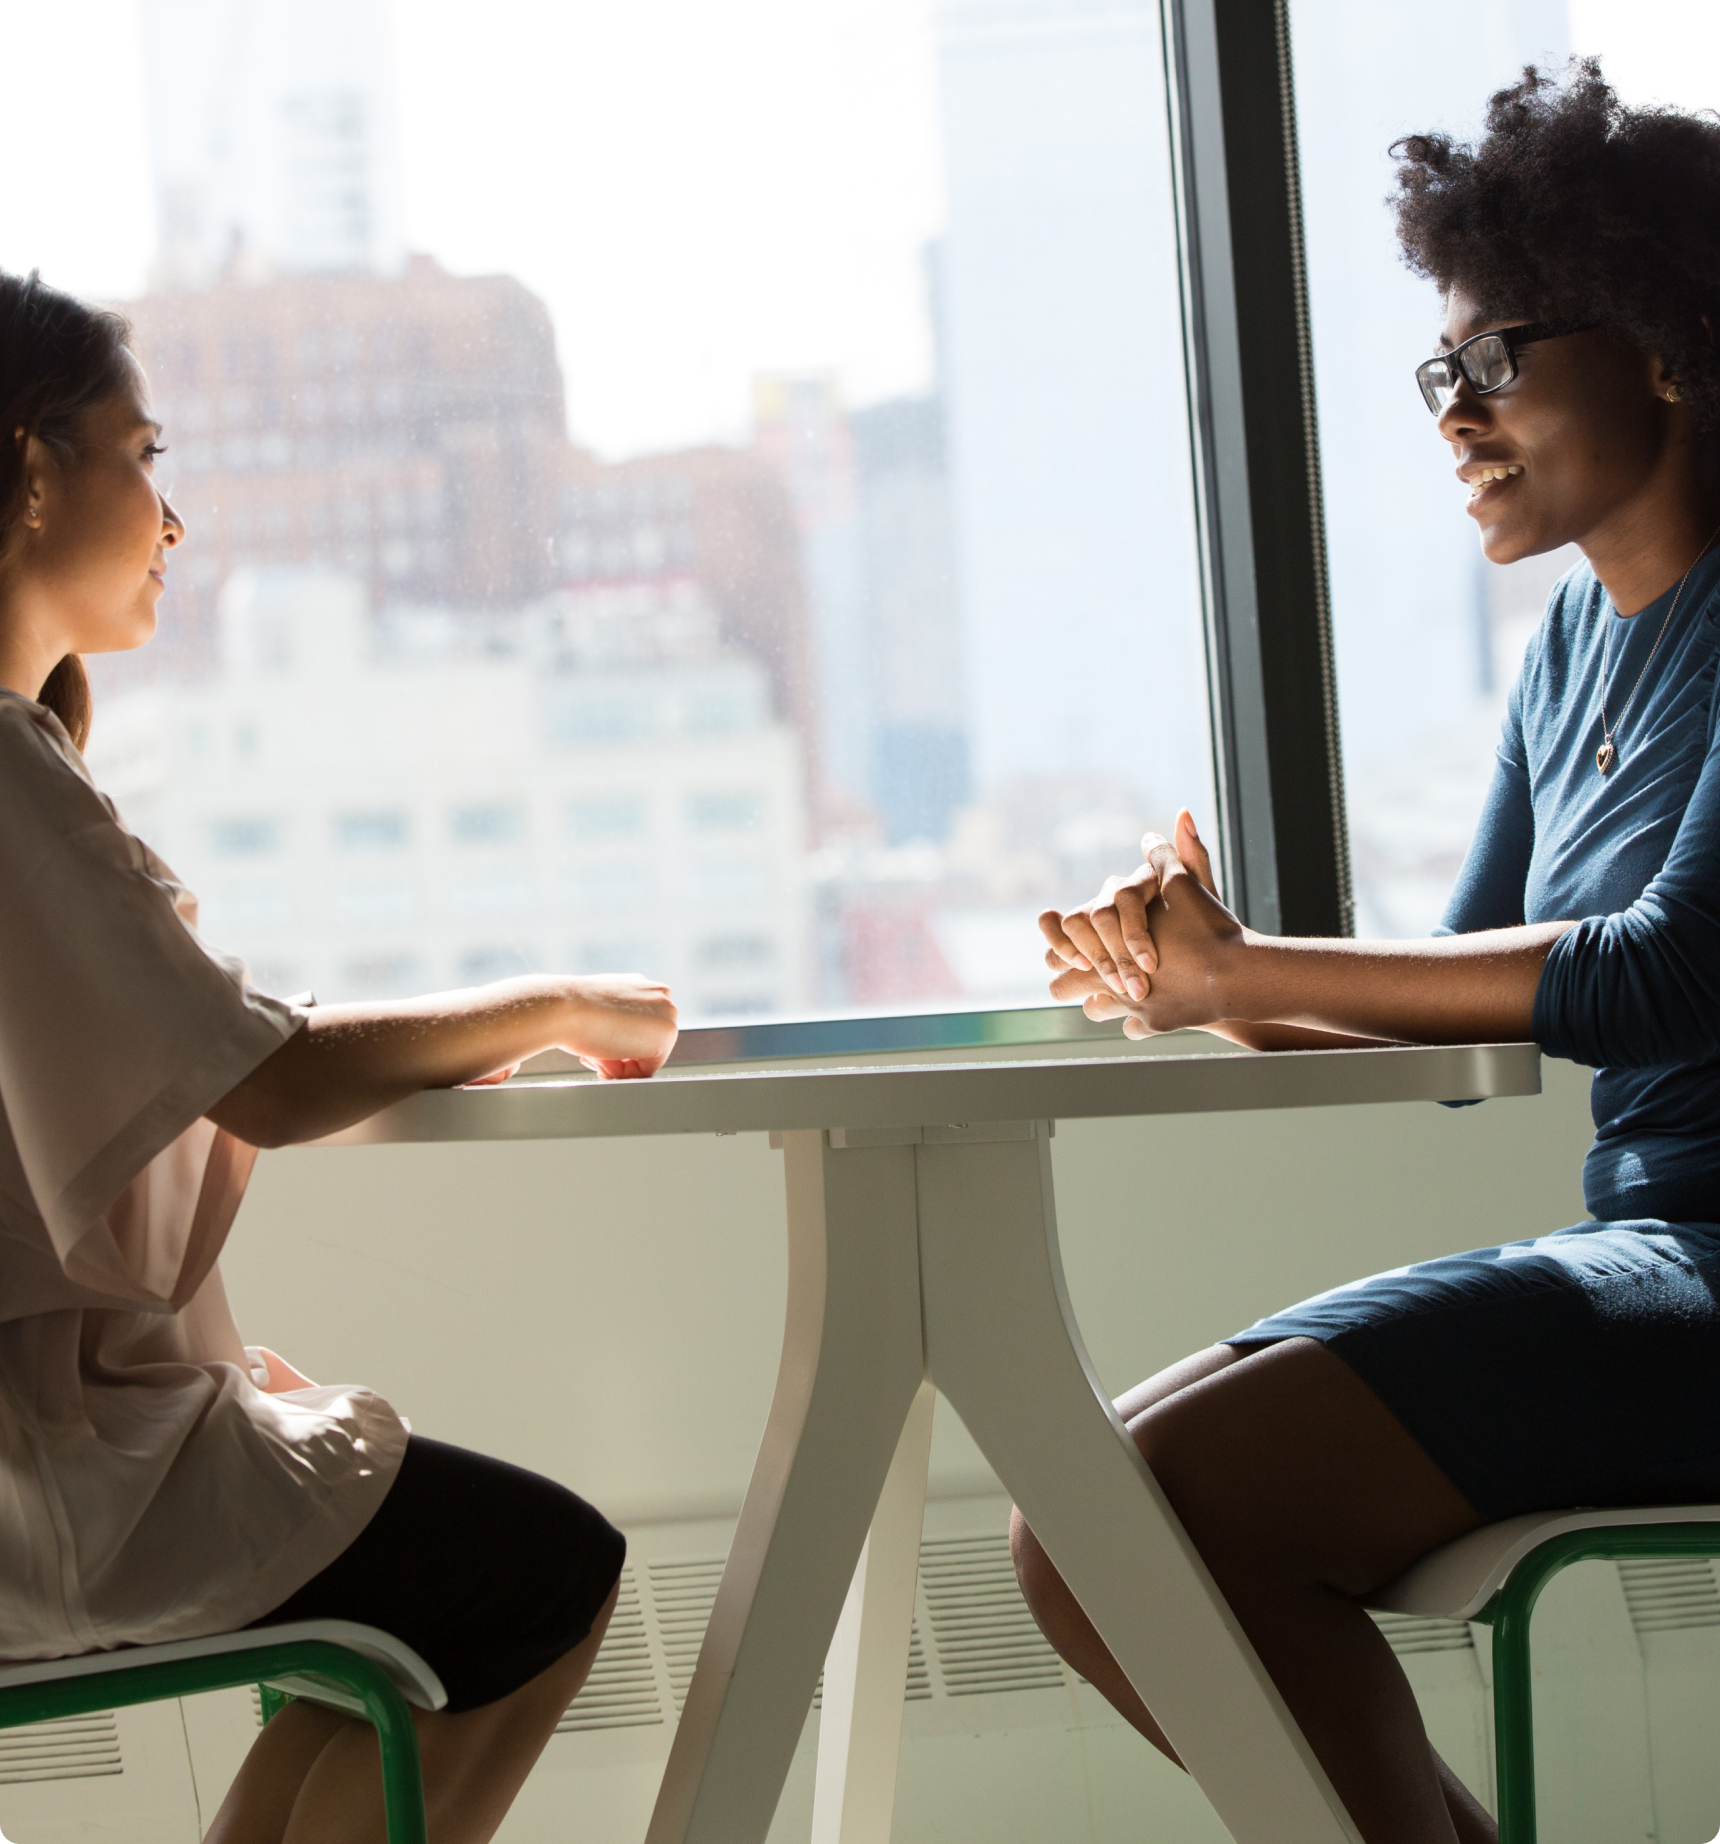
(697, 488)
(1429, 635)
(707, 489)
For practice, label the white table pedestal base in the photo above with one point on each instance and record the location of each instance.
(931, 1254)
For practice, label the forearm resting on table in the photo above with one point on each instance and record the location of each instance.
(348, 1061)
(1453, 989)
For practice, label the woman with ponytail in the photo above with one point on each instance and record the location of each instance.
(55, 366)
(159, 1480)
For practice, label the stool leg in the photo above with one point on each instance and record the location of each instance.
(402, 1772)
(1514, 1720)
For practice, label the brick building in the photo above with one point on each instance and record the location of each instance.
(404, 429)
(412, 431)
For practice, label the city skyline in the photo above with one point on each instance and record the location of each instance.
(400, 551)
(930, 615)
(644, 370)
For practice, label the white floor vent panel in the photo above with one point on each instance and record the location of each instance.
(621, 1692)
(75, 1748)
(917, 1689)
(919, 1685)
(682, 1595)
(972, 1634)
(1670, 1594)
(1408, 1634)
(985, 1638)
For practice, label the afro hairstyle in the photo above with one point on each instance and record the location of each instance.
(1572, 207)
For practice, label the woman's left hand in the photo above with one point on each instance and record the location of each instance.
(271, 1372)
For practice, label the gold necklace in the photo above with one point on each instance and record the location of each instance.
(1607, 754)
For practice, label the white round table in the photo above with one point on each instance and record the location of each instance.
(922, 1257)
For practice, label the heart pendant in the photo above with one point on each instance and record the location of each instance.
(1606, 756)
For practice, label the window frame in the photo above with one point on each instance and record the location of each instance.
(1255, 441)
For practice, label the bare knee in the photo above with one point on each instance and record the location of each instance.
(1026, 1552)
(1044, 1590)
(574, 1667)
(600, 1623)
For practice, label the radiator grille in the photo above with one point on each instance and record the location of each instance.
(982, 1638)
(682, 1595)
(75, 1748)
(1670, 1594)
(1408, 1634)
(917, 1688)
(621, 1692)
(985, 1638)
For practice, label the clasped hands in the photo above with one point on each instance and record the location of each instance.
(1152, 948)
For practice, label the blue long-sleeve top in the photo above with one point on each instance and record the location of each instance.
(1634, 858)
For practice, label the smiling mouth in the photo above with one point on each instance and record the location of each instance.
(1490, 480)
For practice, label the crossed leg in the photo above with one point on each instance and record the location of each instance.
(1302, 1492)
(313, 1777)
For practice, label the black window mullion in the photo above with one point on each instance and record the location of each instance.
(1255, 444)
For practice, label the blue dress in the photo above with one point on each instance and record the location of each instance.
(1583, 1368)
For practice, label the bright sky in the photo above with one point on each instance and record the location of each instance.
(699, 191)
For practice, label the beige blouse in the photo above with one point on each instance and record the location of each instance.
(148, 1489)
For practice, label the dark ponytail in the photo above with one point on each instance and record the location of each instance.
(58, 358)
(66, 692)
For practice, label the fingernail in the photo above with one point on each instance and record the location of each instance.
(1082, 964)
(1137, 986)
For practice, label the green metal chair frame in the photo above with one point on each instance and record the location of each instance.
(1509, 1613)
(1495, 1575)
(317, 1669)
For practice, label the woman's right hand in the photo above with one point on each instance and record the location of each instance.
(1106, 947)
(347, 1061)
(624, 1025)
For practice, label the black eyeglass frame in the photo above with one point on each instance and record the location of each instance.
(1511, 338)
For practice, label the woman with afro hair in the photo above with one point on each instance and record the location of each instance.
(1317, 1455)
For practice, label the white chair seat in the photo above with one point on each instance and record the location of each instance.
(411, 1676)
(1456, 1582)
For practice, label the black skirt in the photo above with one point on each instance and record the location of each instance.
(1574, 1370)
(488, 1572)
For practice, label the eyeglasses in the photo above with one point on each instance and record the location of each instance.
(1488, 362)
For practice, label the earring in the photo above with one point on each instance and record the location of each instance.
(1674, 394)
